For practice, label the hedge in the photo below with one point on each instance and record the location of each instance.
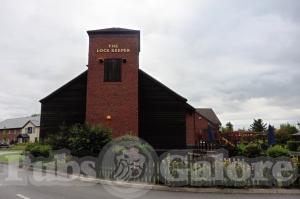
(277, 151)
(38, 150)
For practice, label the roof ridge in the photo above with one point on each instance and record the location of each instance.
(209, 114)
(17, 118)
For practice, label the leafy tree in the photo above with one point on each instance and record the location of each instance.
(282, 136)
(258, 126)
(228, 128)
(288, 128)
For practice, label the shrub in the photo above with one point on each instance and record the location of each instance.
(277, 151)
(293, 145)
(59, 140)
(38, 149)
(241, 148)
(252, 150)
(81, 139)
(298, 149)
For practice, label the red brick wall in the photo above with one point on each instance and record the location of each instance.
(190, 129)
(12, 134)
(116, 99)
(196, 128)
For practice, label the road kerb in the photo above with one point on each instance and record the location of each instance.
(180, 189)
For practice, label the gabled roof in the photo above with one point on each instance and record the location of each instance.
(209, 114)
(17, 123)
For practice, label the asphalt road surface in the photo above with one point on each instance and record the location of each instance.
(23, 189)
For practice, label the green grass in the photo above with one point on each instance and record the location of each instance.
(18, 147)
(11, 158)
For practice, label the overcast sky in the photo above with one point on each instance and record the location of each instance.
(239, 57)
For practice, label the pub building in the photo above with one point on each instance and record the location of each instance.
(116, 93)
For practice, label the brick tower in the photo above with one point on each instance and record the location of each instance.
(112, 85)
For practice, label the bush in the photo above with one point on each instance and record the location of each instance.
(241, 148)
(252, 150)
(298, 149)
(38, 150)
(277, 151)
(81, 139)
(59, 140)
(293, 145)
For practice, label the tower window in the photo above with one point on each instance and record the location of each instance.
(112, 70)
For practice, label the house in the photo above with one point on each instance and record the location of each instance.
(115, 92)
(24, 129)
(296, 136)
(208, 119)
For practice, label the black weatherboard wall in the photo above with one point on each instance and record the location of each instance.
(66, 106)
(161, 114)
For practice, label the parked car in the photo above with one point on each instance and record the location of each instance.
(4, 145)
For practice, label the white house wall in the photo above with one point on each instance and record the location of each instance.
(35, 132)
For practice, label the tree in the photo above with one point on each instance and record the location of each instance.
(258, 126)
(284, 133)
(228, 127)
(282, 136)
(290, 129)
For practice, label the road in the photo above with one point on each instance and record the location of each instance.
(85, 190)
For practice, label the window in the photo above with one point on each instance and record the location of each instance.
(112, 70)
(29, 130)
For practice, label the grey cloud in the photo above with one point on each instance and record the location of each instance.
(239, 57)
